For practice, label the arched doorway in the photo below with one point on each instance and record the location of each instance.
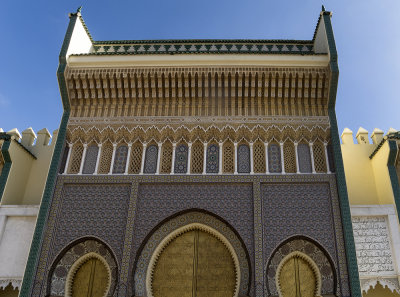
(194, 264)
(298, 276)
(90, 280)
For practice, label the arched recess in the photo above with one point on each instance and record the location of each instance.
(197, 157)
(315, 252)
(76, 158)
(89, 164)
(179, 224)
(297, 275)
(75, 255)
(121, 156)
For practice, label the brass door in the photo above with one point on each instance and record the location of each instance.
(90, 280)
(195, 264)
(297, 279)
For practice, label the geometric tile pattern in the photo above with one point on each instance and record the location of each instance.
(303, 153)
(212, 158)
(121, 155)
(310, 249)
(204, 47)
(90, 159)
(180, 221)
(243, 159)
(150, 163)
(181, 158)
(58, 276)
(274, 158)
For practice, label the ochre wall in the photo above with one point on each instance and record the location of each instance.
(380, 291)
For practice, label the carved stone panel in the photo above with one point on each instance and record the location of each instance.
(374, 255)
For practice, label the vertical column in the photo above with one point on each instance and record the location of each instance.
(128, 158)
(205, 158)
(266, 158)
(68, 157)
(296, 153)
(328, 170)
(173, 158)
(159, 158)
(236, 157)
(282, 158)
(251, 159)
(189, 157)
(312, 157)
(220, 158)
(258, 239)
(83, 158)
(113, 158)
(143, 157)
(98, 158)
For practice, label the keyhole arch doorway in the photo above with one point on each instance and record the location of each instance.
(200, 258)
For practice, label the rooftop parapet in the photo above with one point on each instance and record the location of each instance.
(377, 136)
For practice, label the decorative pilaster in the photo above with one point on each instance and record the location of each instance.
(83, 158)
(312, 157)
(173, 158)
(282, 158)
(205, 159)
(128, 158)
(296, 153)
(98, 158)
(143, 156)
(251, 159)
(236, 157)
(68, 158)
(258, 239)
(113, 158)
(220, 158)
(266, 158)
(189, 157)
(159, 158)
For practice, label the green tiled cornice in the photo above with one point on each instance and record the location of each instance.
(340, 175)
(395, 135)
(7, 162)
(394, 179)
(31, 266)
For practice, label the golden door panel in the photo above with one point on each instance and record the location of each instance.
(90, 280)
(297, 279)
(195, 264)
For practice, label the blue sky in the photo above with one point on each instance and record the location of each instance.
(367, 38)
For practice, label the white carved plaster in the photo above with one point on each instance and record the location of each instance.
(371, 284)
(15, 283)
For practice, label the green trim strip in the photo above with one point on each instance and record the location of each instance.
(393, 149)
(7, 163)
(340, 175)
(395, 135)
(27, 288)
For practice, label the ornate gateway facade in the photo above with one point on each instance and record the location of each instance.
(195, 168)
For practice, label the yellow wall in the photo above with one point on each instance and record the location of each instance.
(379, 291)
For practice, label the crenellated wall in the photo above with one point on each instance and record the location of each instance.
(373, 208)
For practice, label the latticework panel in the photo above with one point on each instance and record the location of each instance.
(76, 158)
(166, 157)
(303, 152)
(212, 159)
(105, 158)
(89, 165)
(136, 158)
(228, 156)
(243, 158)
(274, 158)
(197, 155)
(289, 155)
(150, 161)
(181, 158)
(121, 154)
(64, 159)
(259, 157)
(331, 160)
(319, 157)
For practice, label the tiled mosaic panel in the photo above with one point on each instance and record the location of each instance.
(150, 163)
(232, 202)
(274, 158)
(243, 159)
(92, 210)
(121, 154)
(298, 209)
(311, 250)
(90, 159)
(181, 159)
(60, 273)
(304, 155)
(212, 159)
